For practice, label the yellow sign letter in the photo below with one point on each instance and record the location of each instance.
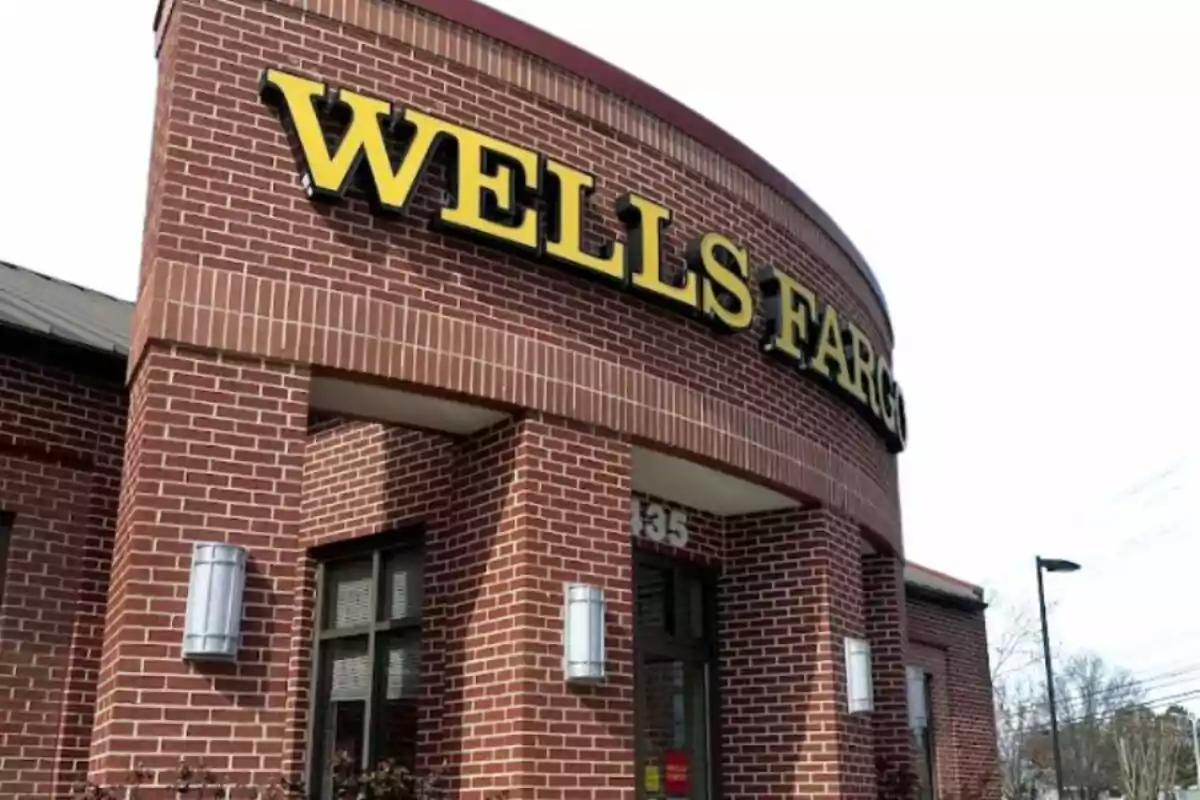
(703, 260)
(646, 220)
(790, 308)
(489, 180)
(327, 175)
(564, 241)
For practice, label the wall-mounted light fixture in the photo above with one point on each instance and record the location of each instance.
(583, 633)
(918, 713)
(212, 627)
(860, 694)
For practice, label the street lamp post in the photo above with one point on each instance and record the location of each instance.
(1052, 565)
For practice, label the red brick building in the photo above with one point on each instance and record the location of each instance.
(437, 317)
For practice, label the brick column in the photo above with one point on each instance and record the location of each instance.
(790, 592)
(884, 605)
(538, 502)
(215, 452)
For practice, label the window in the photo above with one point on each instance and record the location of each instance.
(920, 715)
(674, 679)
(366, 657)
(6, 525)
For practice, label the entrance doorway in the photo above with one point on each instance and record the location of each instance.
(674, 679)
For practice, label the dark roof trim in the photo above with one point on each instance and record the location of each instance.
(67, 344)
(945, 599)
(62, 311)
(407, 536)
(66, 353)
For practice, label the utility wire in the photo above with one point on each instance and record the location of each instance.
(1151, 681)
(1157, 704)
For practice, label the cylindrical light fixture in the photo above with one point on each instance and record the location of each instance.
(583, 633)
(213, 623)
(860, 693)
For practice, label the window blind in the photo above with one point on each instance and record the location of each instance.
(350, 670)
(349, 595)
(403, 667)
(402, 594)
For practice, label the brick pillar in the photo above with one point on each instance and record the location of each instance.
(884, 605)
(215, 452)
(790, 592)
(538, 502)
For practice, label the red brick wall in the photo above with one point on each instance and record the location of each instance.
(215, 453)
(364, 477)
(361, 478)
(952, 645)
(706, 535)
(539, 502)
(791, 590)
(886, 626)
(61, 424)
(238, 262)
(239, 259)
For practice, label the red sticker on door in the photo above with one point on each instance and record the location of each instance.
(677, 777)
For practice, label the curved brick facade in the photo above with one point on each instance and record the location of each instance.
(240, 260)
(274, 335)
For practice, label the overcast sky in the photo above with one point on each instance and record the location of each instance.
(1022, 176)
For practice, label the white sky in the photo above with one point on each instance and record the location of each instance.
(1021, 175)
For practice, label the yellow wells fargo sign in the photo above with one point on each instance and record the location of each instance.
(493, 187)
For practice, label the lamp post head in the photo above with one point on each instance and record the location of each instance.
(1057, 565)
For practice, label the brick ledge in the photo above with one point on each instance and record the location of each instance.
(420, 348)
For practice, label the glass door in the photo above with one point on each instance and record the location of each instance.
(673, 680)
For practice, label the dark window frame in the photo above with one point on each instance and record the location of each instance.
(698, 651)
(378, 547)
(7, 523)
(926, 742)
(931, 737)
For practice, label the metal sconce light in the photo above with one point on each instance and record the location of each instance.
(583, 633)
(860, 694)
(212, 627)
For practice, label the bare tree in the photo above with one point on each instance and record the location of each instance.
(1019, 719)
(1018, 647)
(1148, 747)
(1016, 693)
(1089, 695)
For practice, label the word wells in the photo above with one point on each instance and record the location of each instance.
(494, 188)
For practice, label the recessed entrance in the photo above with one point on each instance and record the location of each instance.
(674, 678)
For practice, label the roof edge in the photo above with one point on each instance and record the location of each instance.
(928, 581)
(508, 29)
(514, 32)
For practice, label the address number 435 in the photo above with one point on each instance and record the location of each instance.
(658, 523)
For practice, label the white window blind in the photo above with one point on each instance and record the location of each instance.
(403, 667)
(403, 581)
(351, 670)
(348, 588)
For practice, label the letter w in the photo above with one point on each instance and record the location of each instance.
(328, 175)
